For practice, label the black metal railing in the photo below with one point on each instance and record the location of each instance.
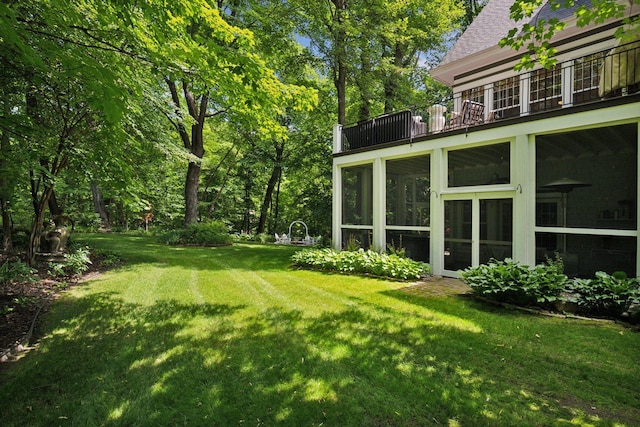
(603, 75)
(387, 128)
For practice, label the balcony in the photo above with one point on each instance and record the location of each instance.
(590, 79)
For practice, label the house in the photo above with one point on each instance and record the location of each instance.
(522, 165)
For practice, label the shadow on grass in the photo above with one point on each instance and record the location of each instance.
(107, 362)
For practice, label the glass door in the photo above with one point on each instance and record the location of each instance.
(477, 228)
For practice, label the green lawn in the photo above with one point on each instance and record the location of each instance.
(233, 337)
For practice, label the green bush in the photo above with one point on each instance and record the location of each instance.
(17, 271)
(260, 238)
(361, 262)
(509, 281)
(212, 233)
(607, 295)
(76, 262)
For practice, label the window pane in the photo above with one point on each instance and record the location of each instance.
(415, 243)
(587, 178)
(457, 234)
(485, 165)
(357, 189)
(586, 254)
(496, 229)
(408, 191)
(356, 239)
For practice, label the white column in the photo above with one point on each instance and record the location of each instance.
(336, 227)
(525, 87)
(437, 182)
(523, 176)
(488, 100)
(337, 138)
(567, 84)
(379, 205)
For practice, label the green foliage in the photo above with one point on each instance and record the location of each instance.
(15, 271)
(106, 257)
(247, 237)
(213, 233)
(608, 295)
(76, 262)
(613, 295)
(509, 281)
(353, 244)
(361, 262)
(534, 38)
(397, 250)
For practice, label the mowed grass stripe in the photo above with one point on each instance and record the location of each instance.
(233, 336)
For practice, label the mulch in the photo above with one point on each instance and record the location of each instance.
(23, 303)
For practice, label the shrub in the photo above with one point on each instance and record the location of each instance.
(106, 258)
(212, 233)
(608, 295)
(509, 281)
(15, 271)
(361, 262)
(76, 262)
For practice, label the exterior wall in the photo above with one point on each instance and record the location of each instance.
(521, 187)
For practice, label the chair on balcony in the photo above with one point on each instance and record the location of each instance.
(472, 114)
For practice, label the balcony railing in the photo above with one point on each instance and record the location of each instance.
(602, 75)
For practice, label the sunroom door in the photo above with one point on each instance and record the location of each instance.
(477, 227)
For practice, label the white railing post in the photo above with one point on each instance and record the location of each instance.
(337, 139)
(567, 83)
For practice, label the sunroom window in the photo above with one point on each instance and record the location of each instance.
(357, 205)
(586, 198)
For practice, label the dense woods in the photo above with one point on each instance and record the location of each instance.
(126, 116)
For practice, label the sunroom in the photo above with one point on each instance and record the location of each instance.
(550, 169)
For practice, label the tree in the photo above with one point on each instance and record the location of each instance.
(535, 37)
(374, 49)
(232, 80)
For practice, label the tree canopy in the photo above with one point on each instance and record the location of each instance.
(197, 109)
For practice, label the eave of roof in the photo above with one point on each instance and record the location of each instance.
(478, 45)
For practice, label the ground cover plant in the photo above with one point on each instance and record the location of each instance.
(361, 262)
(234, 336)
(546, 286)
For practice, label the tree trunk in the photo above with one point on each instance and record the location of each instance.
(7, 243)
(98, 205)
(271, 185)
(276, 214)
(248, 204)
(340, 67)
(37, 226)
(391, 84)
(54, 207)
(193, 143)
(191, 193)
(212, 206)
